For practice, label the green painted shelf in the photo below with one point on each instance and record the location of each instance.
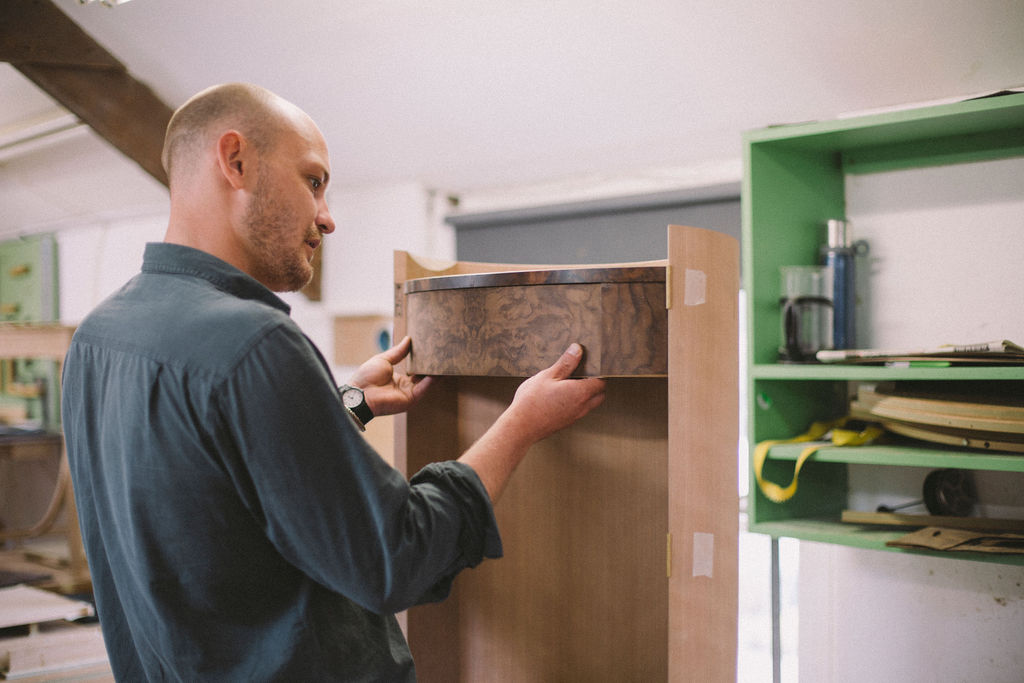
(875, 373)
(794, 181)
(869, 537)
(905, 456)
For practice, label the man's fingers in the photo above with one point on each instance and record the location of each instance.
(568, 362)
(598, 397)
(398, 351)
(420, 384)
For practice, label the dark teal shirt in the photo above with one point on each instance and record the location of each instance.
(238, 527)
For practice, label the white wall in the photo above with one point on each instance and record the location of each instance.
(869, 615)
(945, 253)
(944, 267)
(95, 259)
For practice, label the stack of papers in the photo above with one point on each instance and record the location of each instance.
(995, 352)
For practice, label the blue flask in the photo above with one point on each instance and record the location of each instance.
(839, 252)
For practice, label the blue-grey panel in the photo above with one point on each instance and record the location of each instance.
(588, 232)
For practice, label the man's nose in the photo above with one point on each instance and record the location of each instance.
(324, 221)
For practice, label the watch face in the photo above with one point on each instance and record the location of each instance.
(351, 397)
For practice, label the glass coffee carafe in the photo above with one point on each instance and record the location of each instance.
(806, 308)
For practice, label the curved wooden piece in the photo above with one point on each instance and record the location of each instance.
(516, 278)
(61, 493)
(518, 323)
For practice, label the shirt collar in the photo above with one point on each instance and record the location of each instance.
(163, 257)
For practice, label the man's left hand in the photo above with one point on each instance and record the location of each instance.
(388, 390)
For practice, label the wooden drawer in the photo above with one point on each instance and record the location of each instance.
(518, 323)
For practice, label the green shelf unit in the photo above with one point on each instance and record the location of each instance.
(830, 530)
(874, 373)
(794, 181)
(906, 456)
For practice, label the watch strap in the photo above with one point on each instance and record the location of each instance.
(362, 411)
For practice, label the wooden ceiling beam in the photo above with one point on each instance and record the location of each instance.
(56, 54)
(52, 51)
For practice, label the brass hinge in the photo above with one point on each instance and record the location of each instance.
(668, 556)
(668, 287)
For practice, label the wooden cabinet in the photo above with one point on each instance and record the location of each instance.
(795, 179)
(619, 532)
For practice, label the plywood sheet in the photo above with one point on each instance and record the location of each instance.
(704, 410)
(70, 653)
(581, 594)
(24, 605)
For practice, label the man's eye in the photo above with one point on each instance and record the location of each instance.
(316, 183)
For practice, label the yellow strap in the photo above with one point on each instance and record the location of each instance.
(840, 437)
(848, 437)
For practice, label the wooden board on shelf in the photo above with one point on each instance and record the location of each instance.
(897, 519)
(25, 605)
(961, 540)
(72, 652)
(35, 340)
(980, 414)
(990, 422)
(963, 438)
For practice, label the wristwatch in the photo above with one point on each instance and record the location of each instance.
(354, 400)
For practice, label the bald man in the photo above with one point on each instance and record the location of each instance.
(237, 525)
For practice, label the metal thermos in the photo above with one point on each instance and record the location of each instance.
(839, 252)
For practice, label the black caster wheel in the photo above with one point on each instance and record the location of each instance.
(949, 492)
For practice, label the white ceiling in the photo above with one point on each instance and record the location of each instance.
(466, 95)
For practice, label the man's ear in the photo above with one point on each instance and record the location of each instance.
(235, 159)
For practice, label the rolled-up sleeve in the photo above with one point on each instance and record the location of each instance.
(479, 536)
(330, 505)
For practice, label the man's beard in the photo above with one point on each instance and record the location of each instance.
(267, 227)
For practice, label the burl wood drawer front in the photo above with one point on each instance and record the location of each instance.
(518, 323)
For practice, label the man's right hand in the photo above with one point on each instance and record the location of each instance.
(545, 403)
(551, 400)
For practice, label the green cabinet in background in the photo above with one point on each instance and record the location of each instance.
(794, 181)
(29, 294)
(28, 279)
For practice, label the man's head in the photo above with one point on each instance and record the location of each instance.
(244, 107)
(248, 171)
